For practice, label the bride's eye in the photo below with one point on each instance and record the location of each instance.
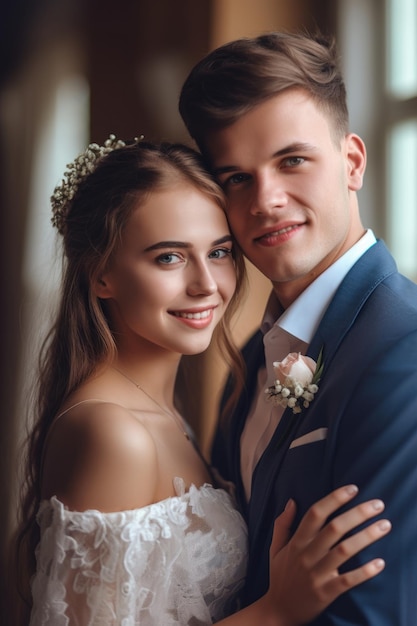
(220, 253)
(169, 258)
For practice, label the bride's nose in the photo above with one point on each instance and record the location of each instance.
(201, 280)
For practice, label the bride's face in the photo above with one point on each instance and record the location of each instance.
(173, 276)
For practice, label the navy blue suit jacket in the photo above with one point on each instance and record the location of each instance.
(367, 400)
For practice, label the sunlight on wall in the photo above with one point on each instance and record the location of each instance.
(402, 197)
(62, 136)
(379, 48)
(401, 165)
(402, 47)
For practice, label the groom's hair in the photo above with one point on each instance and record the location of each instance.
(236, 77)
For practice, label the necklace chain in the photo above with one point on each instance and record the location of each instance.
(171, 414)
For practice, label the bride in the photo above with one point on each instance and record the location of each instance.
(130, 525)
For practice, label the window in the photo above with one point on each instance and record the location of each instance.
(378, 42)
(402, 194)
(401, 147)
(401, 47)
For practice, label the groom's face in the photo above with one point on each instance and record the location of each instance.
(289, 181)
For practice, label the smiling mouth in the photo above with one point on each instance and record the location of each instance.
(277, 233)
(201, 315)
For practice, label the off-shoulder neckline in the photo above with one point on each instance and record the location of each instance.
(179, 485)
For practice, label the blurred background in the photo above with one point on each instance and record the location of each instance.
(74, 71)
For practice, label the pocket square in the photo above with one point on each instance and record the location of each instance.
(314, 435)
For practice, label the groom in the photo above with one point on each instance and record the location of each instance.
(270, 116)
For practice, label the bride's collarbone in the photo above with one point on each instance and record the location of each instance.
(134, 454)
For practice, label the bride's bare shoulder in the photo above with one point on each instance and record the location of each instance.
(100, 456)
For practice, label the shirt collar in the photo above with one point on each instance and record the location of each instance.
(316, 298)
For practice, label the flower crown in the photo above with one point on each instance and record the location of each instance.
(75, 174)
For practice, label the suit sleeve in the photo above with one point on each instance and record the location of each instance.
(377, 449)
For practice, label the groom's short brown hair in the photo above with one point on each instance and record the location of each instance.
(239, 75)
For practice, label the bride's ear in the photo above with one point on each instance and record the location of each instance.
(102, 287)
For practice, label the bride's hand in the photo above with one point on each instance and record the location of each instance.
(304, 576)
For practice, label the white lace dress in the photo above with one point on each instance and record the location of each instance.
(177, 562)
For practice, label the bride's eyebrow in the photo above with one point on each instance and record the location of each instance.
(168, 244)
(182, 244)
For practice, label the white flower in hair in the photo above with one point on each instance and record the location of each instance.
(75, 174)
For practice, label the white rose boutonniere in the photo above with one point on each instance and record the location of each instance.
(296, 382)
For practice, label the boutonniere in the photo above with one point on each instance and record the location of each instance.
(296, 383)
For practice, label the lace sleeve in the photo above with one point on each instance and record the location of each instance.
(151, 566)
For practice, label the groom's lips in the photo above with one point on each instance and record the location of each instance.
(277, 235)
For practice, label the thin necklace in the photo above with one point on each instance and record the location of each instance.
(174, 417)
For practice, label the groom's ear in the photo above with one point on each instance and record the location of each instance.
(356, 161)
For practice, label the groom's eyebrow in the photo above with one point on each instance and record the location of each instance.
(225, 170)
(297, 146)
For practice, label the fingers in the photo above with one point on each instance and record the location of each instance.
(318, 513)
(282, 527)
(310, 561)
(344, 523)
(341, 583)
(325, 552)
(347, 548)
(359, 575)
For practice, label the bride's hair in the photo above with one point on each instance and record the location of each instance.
(90, 213)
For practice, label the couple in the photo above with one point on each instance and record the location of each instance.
(132, 527)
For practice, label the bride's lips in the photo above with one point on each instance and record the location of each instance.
(195, 318)
(277, 235)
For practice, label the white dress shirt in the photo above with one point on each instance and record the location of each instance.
(289, 331)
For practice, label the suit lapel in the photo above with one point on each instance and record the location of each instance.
(367, 273)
